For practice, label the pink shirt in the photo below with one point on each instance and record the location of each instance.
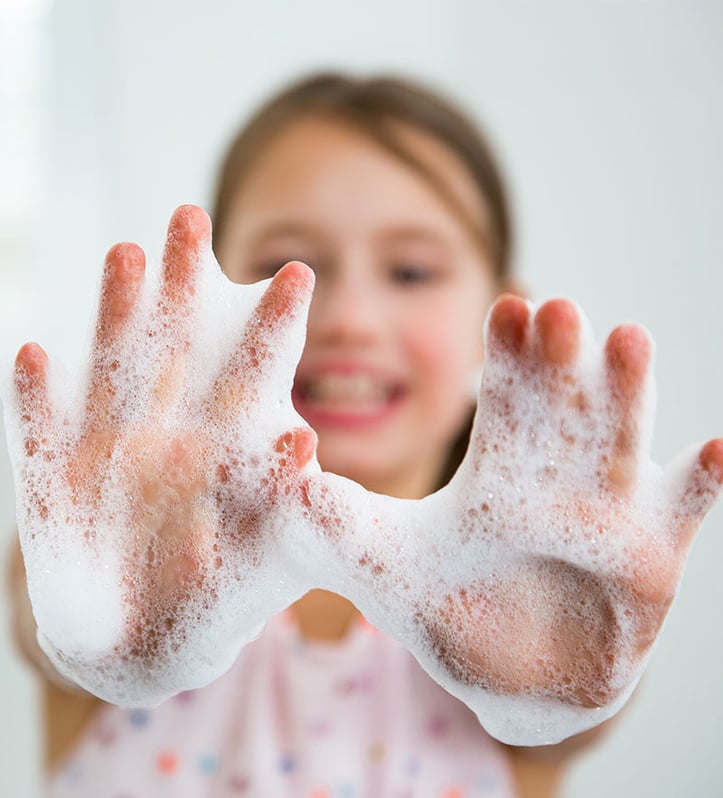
(354, 719)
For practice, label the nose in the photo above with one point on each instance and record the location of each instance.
(346, 307)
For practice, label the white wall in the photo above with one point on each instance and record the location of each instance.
(609, 118)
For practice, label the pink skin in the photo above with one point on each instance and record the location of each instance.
(542, 648)
(388, 362)
(169, 477)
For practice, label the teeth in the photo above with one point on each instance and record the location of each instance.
(342, 388)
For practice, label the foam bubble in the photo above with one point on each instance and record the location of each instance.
(533, 586)
(151, 517)
(89, 619)
(160, 539)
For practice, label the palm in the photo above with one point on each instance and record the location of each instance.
(170, 498)
(572, 540)
(533, 586)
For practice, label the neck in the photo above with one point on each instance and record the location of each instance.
(323, 615)
(415, 484)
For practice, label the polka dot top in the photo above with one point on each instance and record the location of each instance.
(357, 718)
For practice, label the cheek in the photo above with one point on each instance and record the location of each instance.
(449, 353)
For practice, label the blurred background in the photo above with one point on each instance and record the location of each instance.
(608, 118)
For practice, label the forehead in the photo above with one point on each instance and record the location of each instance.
(329, 170)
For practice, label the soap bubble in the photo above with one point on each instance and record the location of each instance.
(173, 503)
(533, 586)
(153, 502)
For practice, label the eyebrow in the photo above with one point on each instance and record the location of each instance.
(283, 229)
(395, 234)
(413, 234)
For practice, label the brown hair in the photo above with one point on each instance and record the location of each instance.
(378, 107)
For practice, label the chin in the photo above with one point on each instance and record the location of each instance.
(410, 479)
(354, 468)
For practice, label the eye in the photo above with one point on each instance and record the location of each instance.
(262, 271)
(265, 269)
(412, 274)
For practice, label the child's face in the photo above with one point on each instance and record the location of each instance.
(395, 327)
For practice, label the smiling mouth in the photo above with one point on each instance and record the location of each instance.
(345, 396)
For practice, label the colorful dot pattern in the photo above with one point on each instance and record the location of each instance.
(358, 719)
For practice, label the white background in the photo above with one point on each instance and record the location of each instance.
(608, 117)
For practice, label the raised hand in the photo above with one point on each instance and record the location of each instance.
(176, 504)
(153, 506)
(545, 589)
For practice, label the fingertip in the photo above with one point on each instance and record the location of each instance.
(702, 486)
(291, 285)
(126, 260)
(125, 266)
(189, 227)
(296, 273)
(30, 376)
(188, 238)
(557, 323)
(508, 322)
(711, 458)
(31, 360)
(628, 351)
(192, 218)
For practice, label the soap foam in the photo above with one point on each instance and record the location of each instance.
(153, 557)
(150, 563)
(528, 587)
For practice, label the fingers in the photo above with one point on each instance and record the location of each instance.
(508, 325)
(545, 348)
(189, 235)
(187, 241)
(711, 461)
(188, 238)
(122, 282)
(557, 327)
(31, 388)
(701, 488)
(121, 288)
(628, 353)
(262, 349)
(551, 339)
(536, 355)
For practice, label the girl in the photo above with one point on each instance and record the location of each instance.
(394, 200)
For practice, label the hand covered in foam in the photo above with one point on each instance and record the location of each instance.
(542, 574)
(181, 506)
(150, 520)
